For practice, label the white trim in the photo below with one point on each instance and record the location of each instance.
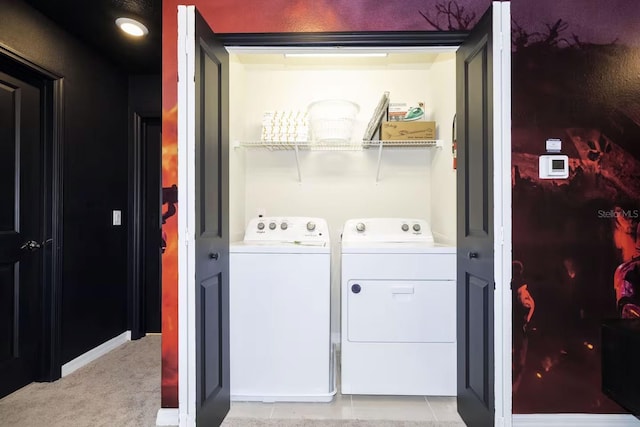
(575, 420)
(186, 278)
(189, 192)
(167, 417)
(95, 353)
(502, 210)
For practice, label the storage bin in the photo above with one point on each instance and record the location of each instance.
(332, 120)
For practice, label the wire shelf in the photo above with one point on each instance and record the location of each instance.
(336, 146)
(296, 147)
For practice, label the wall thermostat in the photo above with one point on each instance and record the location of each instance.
(554, 166)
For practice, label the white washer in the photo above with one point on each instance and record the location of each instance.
(398, 303)
(279, 308)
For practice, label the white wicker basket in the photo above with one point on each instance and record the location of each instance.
(332, 120)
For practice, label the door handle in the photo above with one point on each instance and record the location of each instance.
(473, 255)
(31, 245)
(214, 255)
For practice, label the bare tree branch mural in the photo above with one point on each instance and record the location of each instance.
(552, 37)
(450, 17)
(520, 38)
(582, 44)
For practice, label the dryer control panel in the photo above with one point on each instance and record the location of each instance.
(287, 229)
(391, 230)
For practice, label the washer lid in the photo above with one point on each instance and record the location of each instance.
(261, 247)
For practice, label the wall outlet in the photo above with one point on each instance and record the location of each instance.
(117, 217)
(261, 212)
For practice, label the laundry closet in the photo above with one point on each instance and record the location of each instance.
(339, 181)
(349, 182)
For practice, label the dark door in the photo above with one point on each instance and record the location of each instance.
(21, 213)
(475, 228)
(151, 223)
(207, 107)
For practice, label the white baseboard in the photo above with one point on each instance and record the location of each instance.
(93, 354)
(574, 420)
(167, 417)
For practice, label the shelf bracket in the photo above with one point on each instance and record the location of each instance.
(295, 147)
(379, 161)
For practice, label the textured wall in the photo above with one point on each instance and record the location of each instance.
(94, 151)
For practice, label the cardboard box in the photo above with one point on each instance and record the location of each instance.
(399, 131)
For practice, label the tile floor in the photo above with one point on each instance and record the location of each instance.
(355, 407)
(348, 407)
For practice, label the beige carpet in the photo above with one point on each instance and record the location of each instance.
(120, 389)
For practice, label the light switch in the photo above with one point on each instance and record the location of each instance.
(117, 217)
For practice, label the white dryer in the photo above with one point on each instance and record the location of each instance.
(398, 299)
(279, 309)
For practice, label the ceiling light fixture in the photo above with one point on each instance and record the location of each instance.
(132, 27)
(336, 55)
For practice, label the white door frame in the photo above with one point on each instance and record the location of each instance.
(502, 220)
(186, 218)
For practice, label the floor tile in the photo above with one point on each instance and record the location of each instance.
(311, 411)
(250, 410)
(339, 408)
(444, 408)
(401, 408)
(348, 407)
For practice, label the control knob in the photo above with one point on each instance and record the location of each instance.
(360, 227)
(416, 227)
(284, 226)
(261, 226)
(405, 227)
(272, 226)
(311, 226)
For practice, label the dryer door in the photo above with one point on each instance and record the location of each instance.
(407, 311)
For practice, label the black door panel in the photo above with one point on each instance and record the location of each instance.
(21, 213)
(210, 101)
(475, 234)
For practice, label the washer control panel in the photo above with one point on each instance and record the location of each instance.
(387, 230)
(287, 229)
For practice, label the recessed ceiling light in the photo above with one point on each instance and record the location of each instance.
(132, 27)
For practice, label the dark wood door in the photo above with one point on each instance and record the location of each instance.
(475, 227)
(207, 171)
(21, 216)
